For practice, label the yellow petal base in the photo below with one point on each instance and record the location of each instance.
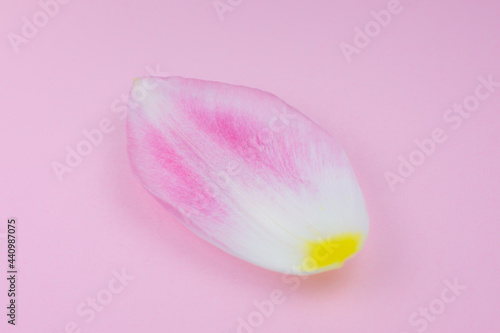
(331, 252)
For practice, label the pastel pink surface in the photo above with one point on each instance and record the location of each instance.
(440, 224)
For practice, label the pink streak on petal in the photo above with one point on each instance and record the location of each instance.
(243, 133)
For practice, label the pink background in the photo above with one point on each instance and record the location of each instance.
(441, 224)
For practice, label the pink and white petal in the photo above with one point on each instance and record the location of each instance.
(243, 170)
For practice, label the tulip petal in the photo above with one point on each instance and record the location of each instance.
(247, 172)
